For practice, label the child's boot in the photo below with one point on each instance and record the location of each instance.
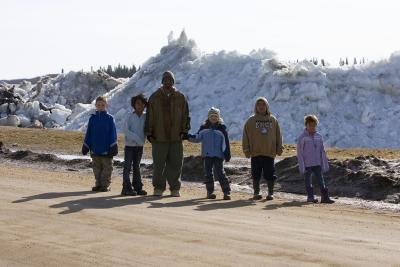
(210, 190)
(310, 195)
(128, 192)
(270, 184)
(256, 187)
(211, 195)
(227, 196)
(325, 196)
(96, 188)
(142, 192)
(226, 188)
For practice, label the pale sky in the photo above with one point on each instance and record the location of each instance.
(43, 36)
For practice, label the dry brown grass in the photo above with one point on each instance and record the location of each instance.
(70, 142)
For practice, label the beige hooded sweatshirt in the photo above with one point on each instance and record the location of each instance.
(261, 134)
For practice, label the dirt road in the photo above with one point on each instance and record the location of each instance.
(49, 218)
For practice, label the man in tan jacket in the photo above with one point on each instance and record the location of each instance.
(167, 124)
(262, 141)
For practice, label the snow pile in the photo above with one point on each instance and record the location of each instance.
(51, 101)
(357, 106)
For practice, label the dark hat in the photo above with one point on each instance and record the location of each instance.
(168, 74)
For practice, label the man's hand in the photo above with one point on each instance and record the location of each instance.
(191, 136)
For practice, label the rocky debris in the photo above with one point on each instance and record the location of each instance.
(363, 177)
(3, 149)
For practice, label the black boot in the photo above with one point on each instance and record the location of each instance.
(271, 184)
(128, 192)
(325, 196)
(256, 187)
(210, 190)
(310, 195)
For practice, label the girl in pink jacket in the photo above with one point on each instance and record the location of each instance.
(312, 159)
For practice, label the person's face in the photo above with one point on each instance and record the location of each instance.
(213, 118)
(101, 106)
(261, 107)
(168, 82)
(311, 127)
(139, 106)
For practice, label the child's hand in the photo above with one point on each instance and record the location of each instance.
(184, 136)
(113, 150)
(85, 150)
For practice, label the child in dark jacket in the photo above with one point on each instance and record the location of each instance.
(101, 141)
(312, 159)
(215, 148)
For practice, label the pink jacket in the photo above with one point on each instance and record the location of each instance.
(311, 151)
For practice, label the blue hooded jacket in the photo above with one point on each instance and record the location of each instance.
(101, 135)
(214, 141)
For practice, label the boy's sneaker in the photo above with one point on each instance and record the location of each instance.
(270, 197)
(227, 197)
(257, 197)
(142, 192)
(96, 188)
(175, 193)
(104, 189)
(158, 193)
(211, 196)
(125, 192)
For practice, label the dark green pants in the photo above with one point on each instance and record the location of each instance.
(167, 165)
(102, 169)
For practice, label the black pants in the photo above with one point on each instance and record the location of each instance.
(263, 166)
(132, 158)
(215, 166)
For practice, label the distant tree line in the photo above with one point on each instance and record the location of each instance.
(120, 71)
(342, 62)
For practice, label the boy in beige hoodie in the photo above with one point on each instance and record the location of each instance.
(262, 141)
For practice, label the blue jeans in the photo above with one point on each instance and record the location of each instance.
(132, 158)
(317, 171)
(215, 166)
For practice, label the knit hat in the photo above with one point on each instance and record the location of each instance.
(263, 99)
(214, 111)
(168, 74)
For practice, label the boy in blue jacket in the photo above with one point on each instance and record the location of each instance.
(101, 141)
(215, 148)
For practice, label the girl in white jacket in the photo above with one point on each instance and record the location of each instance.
(134, 142)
